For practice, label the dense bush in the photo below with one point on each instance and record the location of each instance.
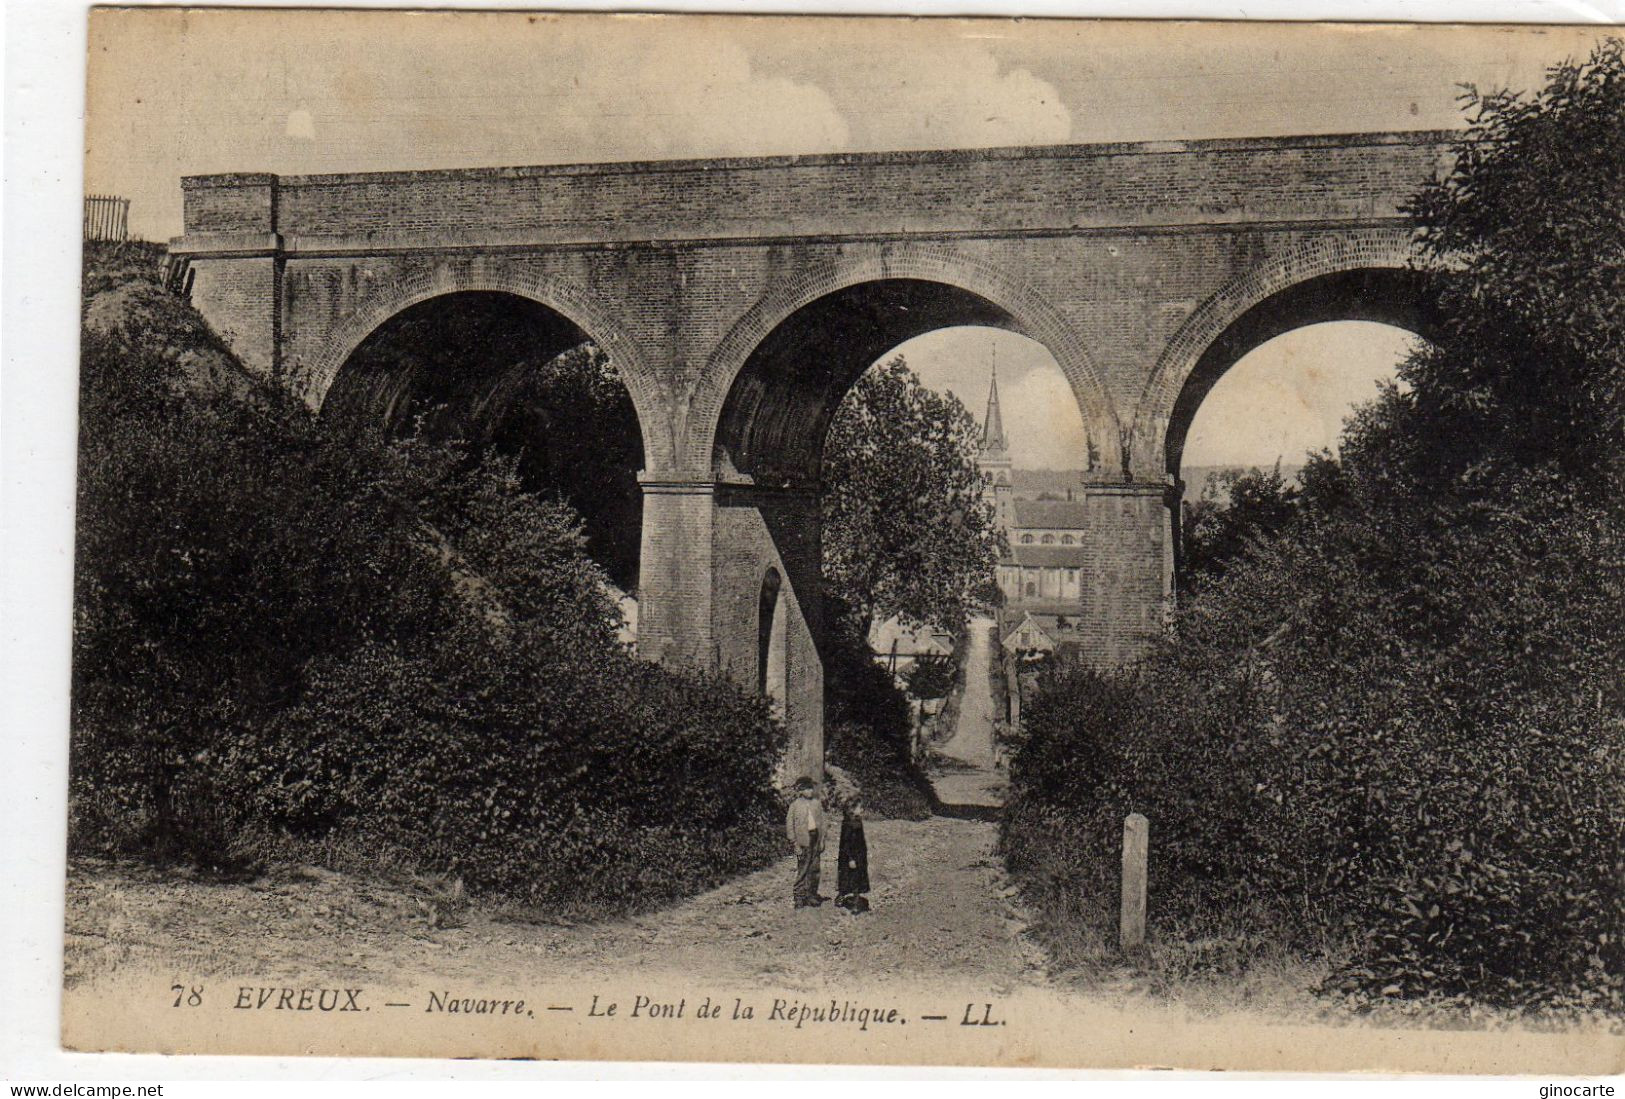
(286, 636)
(564, 781)
(1394, 732)
(1423, 772)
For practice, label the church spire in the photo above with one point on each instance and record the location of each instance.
(993, 423)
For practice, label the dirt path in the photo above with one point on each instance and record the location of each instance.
(966, 777)
(942, 914)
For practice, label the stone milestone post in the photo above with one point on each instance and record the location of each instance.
(1136, 845)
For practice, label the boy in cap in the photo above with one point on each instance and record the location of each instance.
(804, 825)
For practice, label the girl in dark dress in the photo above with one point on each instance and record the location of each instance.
(852, 872)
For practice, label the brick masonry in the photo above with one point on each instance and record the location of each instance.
(1127, 261)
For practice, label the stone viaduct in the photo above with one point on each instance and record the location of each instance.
(740, 299)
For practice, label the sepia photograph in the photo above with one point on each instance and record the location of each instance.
(1069, 543)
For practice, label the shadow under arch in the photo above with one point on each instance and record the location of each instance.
(782, 400)
(574, 308)
(501, 371)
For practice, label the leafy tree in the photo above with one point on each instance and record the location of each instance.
(906, 529)
(931, 677)
(1235, 507)
(1525, 233)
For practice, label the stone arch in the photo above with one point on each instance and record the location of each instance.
(381, 303)
(1017, 305)
(1364, 276)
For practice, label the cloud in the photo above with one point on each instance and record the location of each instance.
(540, 99)
(958, 96)
(706, 100)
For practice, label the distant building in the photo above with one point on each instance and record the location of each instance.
(900, 647)
(1029, 636)
(1042, 575)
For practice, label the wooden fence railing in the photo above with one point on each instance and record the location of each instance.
(107, 217)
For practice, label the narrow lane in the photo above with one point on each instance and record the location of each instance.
(965, 776)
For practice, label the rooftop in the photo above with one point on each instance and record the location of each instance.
(1050, 514)
(1054, 557)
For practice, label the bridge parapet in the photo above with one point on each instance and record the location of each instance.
(1069, 189)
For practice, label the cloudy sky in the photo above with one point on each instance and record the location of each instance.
(175, 92)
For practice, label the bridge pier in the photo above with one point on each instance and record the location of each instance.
(674, 574)
(1129, 579)
(729, 583)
